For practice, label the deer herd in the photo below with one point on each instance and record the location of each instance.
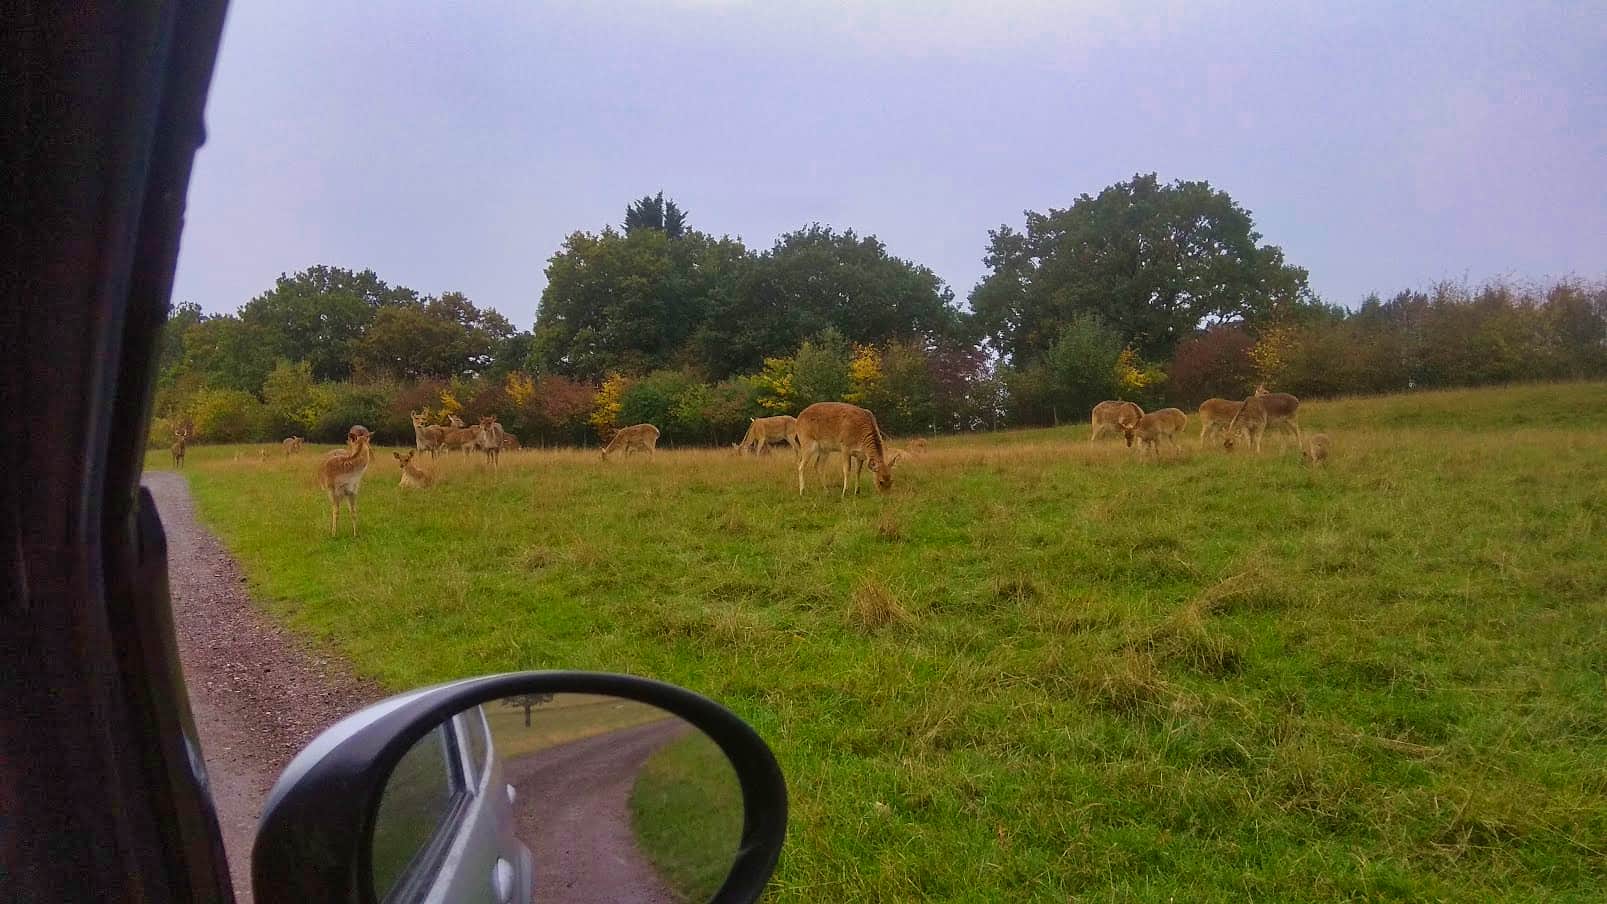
(816, 433)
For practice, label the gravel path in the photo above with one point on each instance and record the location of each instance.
(258, 694)
(580, 831)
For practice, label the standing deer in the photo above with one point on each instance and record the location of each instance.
(465, 438)
(427, 437)
(630, 439)
(291, 444)
(763, 432)
(827, 427)
(1117, 416)
(341, 473)
(490, 440)
(1262, 410)
(1216, 415)
(178, 448)
(1158, 425)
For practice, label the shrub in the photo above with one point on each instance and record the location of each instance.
(227, 416)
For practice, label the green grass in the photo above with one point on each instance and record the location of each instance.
(686, 811)
(565, 719)
(1038, 670)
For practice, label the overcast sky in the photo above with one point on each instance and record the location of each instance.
(454, 145)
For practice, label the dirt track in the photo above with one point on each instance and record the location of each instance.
(580, 833)
(258, 694)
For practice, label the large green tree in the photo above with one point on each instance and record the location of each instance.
(1153, 261)
(319, 314)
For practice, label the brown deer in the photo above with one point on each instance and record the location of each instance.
(1117, 416)
(341, 473)
(630, 439)
(465, 438)
(427, 437)
(413, 476)
(1150, 429)
(178, 448)
(455, 421)
(1316, 451)
(510, 443)
(490, 440)
(827, 427)
(291, 445)
(764, 432)
(1260, 411)
(1216, 415)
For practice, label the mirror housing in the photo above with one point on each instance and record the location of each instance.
(314, 836)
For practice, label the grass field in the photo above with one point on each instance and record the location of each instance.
(686, 811)
(565, 719)
(1038, 670)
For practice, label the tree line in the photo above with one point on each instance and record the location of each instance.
(1149, 291)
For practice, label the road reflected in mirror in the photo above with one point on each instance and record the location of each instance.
(559, 799)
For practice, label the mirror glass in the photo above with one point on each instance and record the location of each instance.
(558, 799)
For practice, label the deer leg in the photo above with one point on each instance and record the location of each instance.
(803, 462)
(334, 515)
(351, 506)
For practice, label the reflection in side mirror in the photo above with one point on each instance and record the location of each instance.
(527, 786)
(559, 798)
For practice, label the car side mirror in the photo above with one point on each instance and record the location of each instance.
(533, 786)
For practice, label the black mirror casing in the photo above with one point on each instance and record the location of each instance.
(314, 837)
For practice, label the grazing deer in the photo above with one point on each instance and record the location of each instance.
(490, 440)
(427, 437)
(510, 443)
(1117, 416)
(1157, 425)
(827, 427)
(630, 439)
(179, 447)
(413, 476)
(764, 432)
(1316, 451)
(341, 473)
(1216, 415)
(291, 444)
(1260, 411)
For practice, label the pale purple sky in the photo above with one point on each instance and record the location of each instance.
(454, 145)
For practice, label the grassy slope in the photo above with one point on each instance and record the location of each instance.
(686, 811)
(1218, 677)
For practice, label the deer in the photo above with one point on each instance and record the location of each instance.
(341, 473)
(764, 432)
(630, 439)
(465, 438)
(1260, 411)
(1216, 415)
(1316, 451)
(178, 448)
(455, 421)
(510, 443)
(291, 445)
(413, 476)
(1117, 416)
(427, 437)
(827, 427)
(489, 440)
(1157, 425)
